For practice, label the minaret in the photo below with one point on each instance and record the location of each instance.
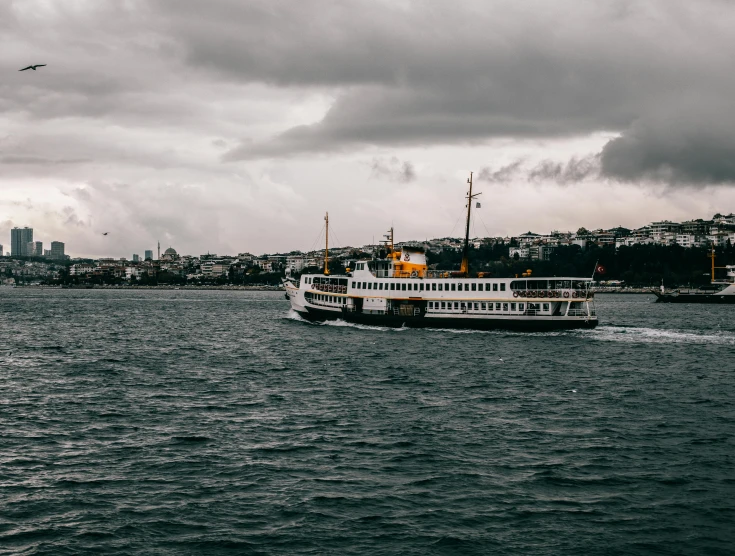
(159, 250)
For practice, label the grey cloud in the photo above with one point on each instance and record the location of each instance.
(504, 174)
(696, 147)
(392, 169)
(572, 171)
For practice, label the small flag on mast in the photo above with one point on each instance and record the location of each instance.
(477, 205)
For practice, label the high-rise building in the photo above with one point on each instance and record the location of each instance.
(136, 258)
(19, 240)
(149, 254)
(34, 249)
(57, 250)
(1, 250)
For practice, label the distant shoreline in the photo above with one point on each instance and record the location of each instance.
(107, 287)
(636, 291)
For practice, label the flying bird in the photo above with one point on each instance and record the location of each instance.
(105, 233)
(33, 67)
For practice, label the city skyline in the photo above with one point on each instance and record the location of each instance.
(154, 128)
(691, 232)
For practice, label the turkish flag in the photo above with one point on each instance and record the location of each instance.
(600, 269)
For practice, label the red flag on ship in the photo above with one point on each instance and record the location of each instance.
(600, 269)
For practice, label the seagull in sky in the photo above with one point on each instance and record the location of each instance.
(105, 233)
(33, 67)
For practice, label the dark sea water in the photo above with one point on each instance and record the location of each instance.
(180, 422)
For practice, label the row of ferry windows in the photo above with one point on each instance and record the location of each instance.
(330, 299)
(457, 305)
(413, 286)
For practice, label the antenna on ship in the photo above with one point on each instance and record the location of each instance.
(326, 250)
(464, 269)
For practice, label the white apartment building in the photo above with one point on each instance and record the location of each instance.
(522, 252)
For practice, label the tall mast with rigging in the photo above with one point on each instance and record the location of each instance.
(464, 269)
(326, 249)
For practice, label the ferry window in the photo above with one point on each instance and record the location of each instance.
(421, 287)
(456, 305)
(520, 306)
(512, 306)
(505, 306)
(484, 307)
(433, 287)
(502, 287)
(497, 306)
(392, 286)
(489, 306)
(370, 285)
(353, 284)
(364, 285)
(546, 306)
(477, 306)
(453, 287)
(440, 287)
(403, 286)
(466, 287)
(495, 287)
(431, 304)
(443, 305)
(474, 287)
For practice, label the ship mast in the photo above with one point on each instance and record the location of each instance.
(464, 269)
(326, 250)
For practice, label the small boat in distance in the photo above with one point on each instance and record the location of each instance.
(719, 292)
(396, 288)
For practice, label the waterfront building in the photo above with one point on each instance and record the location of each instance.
(295, 263)
(136, 258)
(34, 249)
(80, 269)
(19, 240)
(521, 252)
(697, 227)
(57, 250)
(149, 254)
(170, 254)
(1, 250)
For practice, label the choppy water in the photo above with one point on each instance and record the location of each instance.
(180, 422)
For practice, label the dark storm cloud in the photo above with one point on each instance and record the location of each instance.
(447, 73)
(695, 148)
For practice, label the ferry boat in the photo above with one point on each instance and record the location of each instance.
(720, 291)
(396, 288)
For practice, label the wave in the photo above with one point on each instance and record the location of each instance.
(293, 315)
(643, 335)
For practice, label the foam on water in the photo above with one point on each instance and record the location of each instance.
(631, 334)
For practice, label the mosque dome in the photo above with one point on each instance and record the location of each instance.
(170, 251)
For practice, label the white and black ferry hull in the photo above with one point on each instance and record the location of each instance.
(714, 298)
(460, 321)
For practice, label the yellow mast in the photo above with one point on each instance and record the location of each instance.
(326, 250)
(712, 256)
(465, 267)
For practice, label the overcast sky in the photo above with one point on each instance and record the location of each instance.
(232, 125)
